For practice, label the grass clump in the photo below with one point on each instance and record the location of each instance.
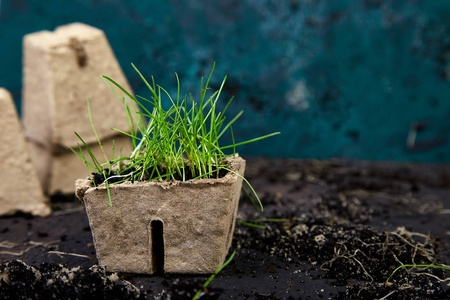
(180, 142)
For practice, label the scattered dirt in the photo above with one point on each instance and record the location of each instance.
(53, 281)
(332, 229)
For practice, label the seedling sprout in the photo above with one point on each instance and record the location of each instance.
(178, 143)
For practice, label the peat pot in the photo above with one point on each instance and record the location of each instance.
(174, 227)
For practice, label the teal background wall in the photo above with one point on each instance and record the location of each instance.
(338, 78)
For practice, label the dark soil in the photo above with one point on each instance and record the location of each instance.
(117, 177)
(337, 230)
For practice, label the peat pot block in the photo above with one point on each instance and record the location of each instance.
(58, 172)
(61, 70)
(175, 227)
(19, 185)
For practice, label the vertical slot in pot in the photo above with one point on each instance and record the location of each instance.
(157, 246)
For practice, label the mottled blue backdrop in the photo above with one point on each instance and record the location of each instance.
(339, 78)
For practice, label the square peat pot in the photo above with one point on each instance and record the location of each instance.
(173, 227)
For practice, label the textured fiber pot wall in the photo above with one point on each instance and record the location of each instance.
(197, 223)
(338, 78)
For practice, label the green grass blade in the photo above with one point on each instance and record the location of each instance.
(269, 220)
(109, 193)
(247, 194)
(415, 266)
(249, 185)
(97, 165)
(250, 141)
(95, 132)
(230, 123)
(249, 224)
(120, 87)
(152, 89)
(199, 292)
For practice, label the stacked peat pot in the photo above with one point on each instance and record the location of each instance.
(62, 69)
(19, 187)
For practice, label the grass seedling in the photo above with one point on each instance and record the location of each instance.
(253, 223)
(177, 143)
(250, 224)
(199, 292)
(387, 283)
